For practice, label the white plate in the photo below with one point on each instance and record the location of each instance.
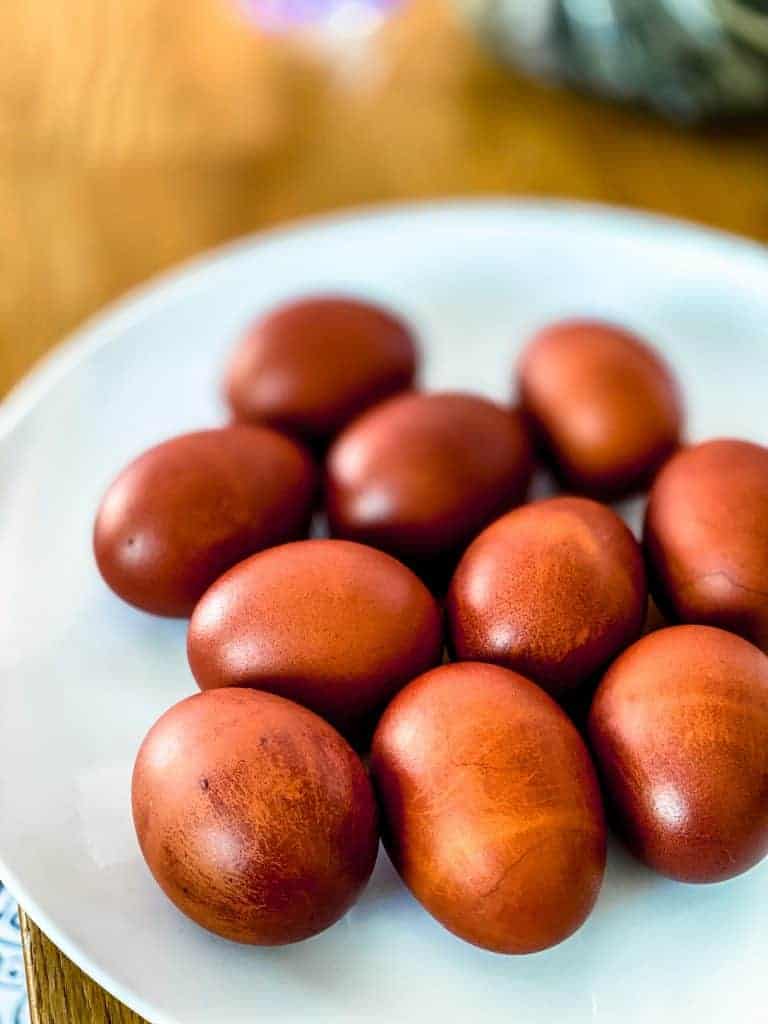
(82, 676)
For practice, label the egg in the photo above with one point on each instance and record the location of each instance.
(679, 727)
(188, 509)
(421, 474)
(605, 407)
(333, 625)
(309, 366)
(254, 816)
(552, 590)
(492, 811)
(706, 537)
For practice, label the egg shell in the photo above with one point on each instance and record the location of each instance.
(255, 817)
(336, 626)
(552, 590)
(679, 727)
(309, 366)
(188, 509)
(491, 809)
(706, 537)
(604, 405)
(421, 474)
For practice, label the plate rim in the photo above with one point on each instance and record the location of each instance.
(172, 284)
(97, 328)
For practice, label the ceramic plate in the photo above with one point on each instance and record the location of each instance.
(83, 676)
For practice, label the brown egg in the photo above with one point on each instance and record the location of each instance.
(335, 626)
(255, 817)
(553, 590)
(185, 511)
(679, 727)
(604, 405)
(706, 537)
(492, 812)
(310, 366)
(421, 474)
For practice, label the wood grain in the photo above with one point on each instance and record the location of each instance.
(135, 134)
(158, 130)
(59, 993)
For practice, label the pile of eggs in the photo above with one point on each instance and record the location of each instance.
(487, 767)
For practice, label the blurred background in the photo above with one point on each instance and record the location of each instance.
(133, 135)
(136, 134)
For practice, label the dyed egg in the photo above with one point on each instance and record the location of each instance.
(492, 811)
(706, 536)
(679, 728)
(335, 626)
(553, 590)
(187, 510)
(421, 474)
(605, 407)
(255, 817)
(309, 366)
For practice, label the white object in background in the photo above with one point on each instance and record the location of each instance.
(340, 31)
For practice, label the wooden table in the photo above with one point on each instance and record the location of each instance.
(134, 134)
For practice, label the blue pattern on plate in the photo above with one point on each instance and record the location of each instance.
(13, 996)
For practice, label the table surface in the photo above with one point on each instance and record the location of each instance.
(133, 135)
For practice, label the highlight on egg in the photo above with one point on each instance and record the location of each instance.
(311, 365)
(421, 474)
(605, 407)
(254, 816)
(706, 537)
(553, 590)
(679, 729)
(491, 808)
(336, 626)
(188, 509)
